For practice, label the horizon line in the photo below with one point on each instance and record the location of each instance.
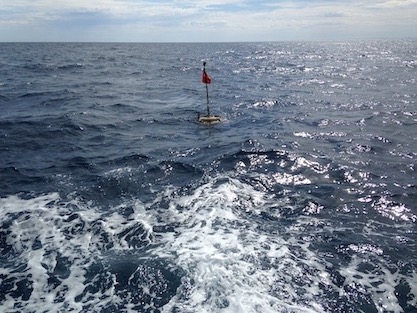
(223, 41)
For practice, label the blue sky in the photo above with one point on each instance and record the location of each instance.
(205, 20)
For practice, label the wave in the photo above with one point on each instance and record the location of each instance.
(301, 200)
(23, 180)
(223, 243)
(74, 260)
(4, 98)
(42, 129)
(44, 67)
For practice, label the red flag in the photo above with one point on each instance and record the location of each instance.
(206, 78)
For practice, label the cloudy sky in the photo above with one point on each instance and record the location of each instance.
(205, 20)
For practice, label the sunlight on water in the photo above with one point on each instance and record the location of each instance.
(303, 199)
(231, 247)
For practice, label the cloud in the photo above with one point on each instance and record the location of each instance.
(393, 3)
(205, 20)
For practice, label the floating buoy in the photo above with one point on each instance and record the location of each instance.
(208, 119)
(212, 119)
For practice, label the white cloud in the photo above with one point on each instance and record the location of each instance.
(393, 3)
(211, 19)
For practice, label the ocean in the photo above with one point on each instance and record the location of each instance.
(114, 199)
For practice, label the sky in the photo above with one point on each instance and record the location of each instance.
(206, 20)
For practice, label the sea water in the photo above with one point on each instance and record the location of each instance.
(303, 199)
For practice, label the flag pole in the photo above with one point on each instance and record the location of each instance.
(209, 119)
(207, 93)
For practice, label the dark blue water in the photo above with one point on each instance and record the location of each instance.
(303, 199)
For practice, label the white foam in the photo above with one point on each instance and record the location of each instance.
(380, 283)
(237, 250)
(234, 266)
(53, 238)
(303, 134)
(412, 282)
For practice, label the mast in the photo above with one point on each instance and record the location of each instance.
(209, 119)
(207, 93)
